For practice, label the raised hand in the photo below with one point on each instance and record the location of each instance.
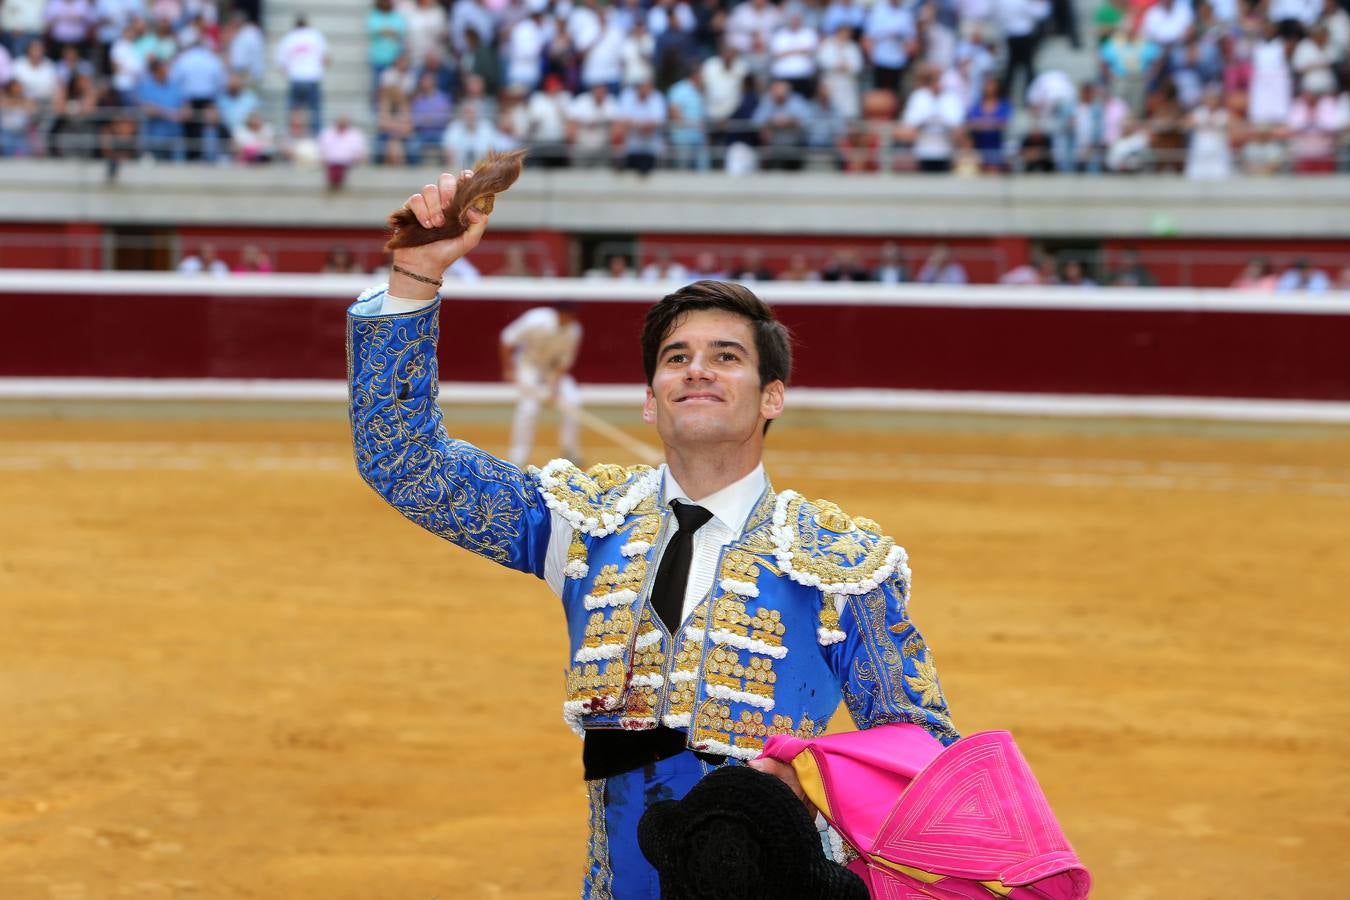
(429, 208)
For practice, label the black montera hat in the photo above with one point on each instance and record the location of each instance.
(744, 834)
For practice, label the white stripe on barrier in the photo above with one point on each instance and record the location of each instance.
(847, 399)
(112, 285)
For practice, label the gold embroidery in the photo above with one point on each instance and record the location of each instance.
(830, 516)
(741, 566)
(607, 476)
(924, 682)
(829, 557)
(599, 872)
(449, 487)
(576, 549)
(729, 615)
(883, 687)
(589, 496)
(848, 547)
(633, 575)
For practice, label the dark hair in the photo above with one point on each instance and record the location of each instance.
(773, 342)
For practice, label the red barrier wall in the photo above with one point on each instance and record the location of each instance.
(943, 346)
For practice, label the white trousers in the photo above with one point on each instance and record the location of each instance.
(532, 387)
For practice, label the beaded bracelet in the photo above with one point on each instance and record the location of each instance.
(415, 277)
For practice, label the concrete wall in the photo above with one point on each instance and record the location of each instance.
(767, 204)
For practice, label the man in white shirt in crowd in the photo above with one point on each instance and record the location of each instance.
(792, 51)
(841, 65)
(590, 125)
(303, 55)
(525, 47)
(931, 122)
(748, 19)
(723, 82)
(1019, 20)
(23, 21)
(247, 50)
(204, 260)
(1167, 22)
(890, 40)
(643, 112)
(602, 59)
(547, 114)
(1303, 12)
(537, 353)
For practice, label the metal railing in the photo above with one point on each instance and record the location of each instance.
(856, 146)
(164, 251)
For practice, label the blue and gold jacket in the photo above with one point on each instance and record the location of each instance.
(809, 603)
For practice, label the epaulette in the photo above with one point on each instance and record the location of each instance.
(597, 501)
(818, 545)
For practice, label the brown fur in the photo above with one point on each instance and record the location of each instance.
(492, 174)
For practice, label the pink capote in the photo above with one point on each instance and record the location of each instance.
(967, 821)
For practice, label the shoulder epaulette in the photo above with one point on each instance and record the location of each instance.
(818, 545)
(597, 501)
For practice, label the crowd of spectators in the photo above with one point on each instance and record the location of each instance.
(941, 265)
(1204, 87)
(888, 263)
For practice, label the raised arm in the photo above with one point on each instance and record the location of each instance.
(447, 486)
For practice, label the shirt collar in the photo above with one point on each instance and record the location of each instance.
(731, 505)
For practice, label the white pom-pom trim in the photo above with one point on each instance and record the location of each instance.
(613, 598)
(694, 634)
(743, 588)
(604, 651)
(575, 710)
(550, 476)
(680, 675)
(655, 680)
(576, 568)
(648, 639)
(754, 646)
(676, 720)
(637, 723)
(828, 636)
(722, 749)
(783, 536)
(722, 692)
(635, 548)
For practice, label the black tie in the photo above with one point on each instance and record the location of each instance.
(673, 574)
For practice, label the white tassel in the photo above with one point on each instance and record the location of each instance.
(753, 645)
(722, 692)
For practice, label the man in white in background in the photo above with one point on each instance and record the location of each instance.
(204, 260)
(1167, 22)
(792, 51)
(303, 55)
(537, 350)
(931, 121)
(1018, 19)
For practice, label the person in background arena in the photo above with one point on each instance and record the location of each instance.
(537, 352)
(706, 610)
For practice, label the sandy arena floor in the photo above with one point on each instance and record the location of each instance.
(229, 671)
